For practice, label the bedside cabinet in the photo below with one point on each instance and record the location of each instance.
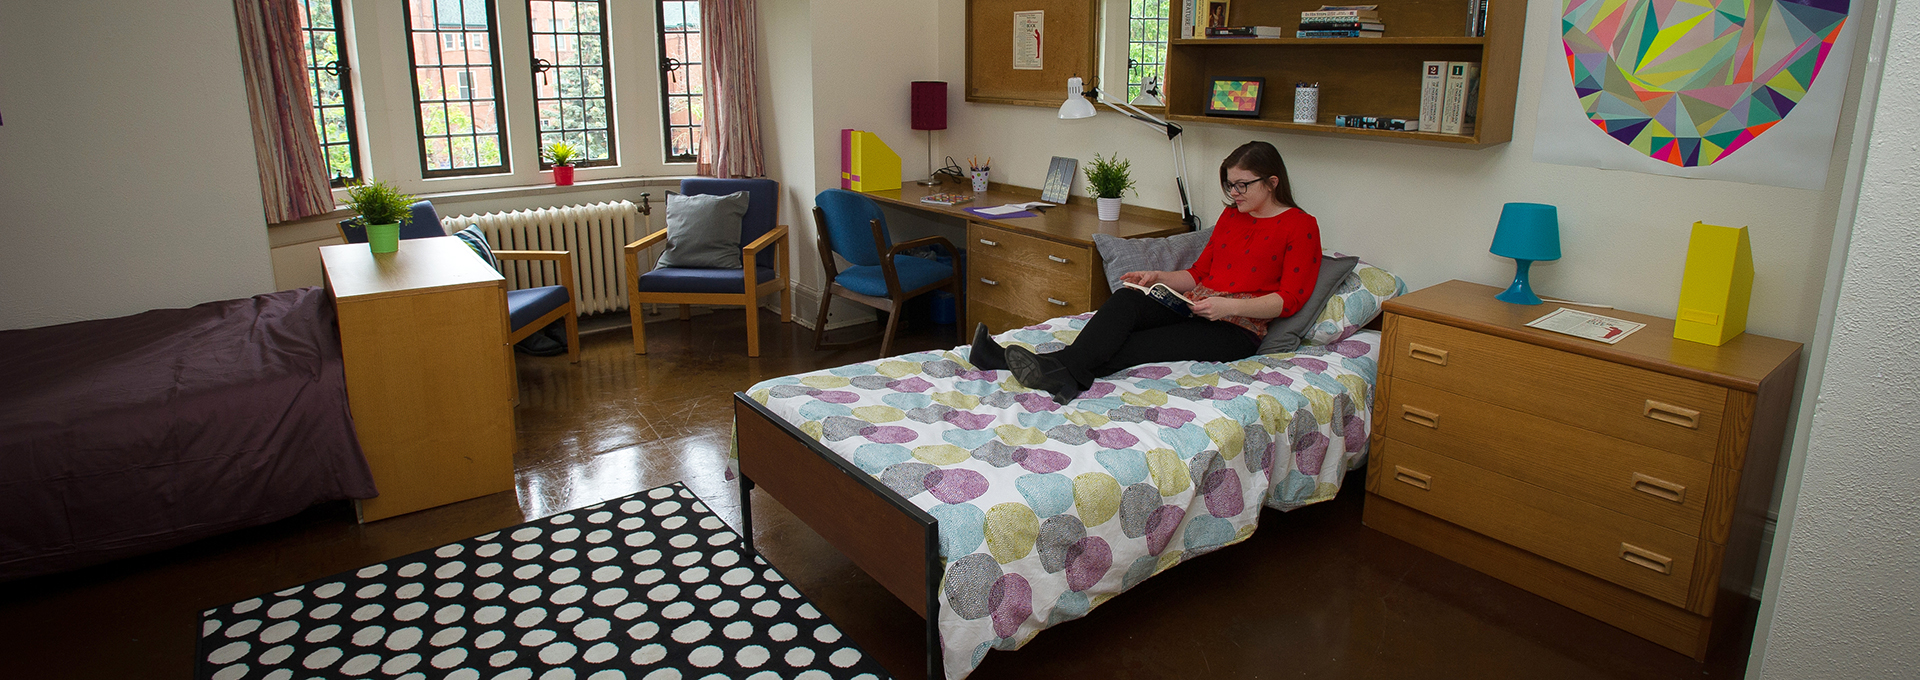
(1629, 482)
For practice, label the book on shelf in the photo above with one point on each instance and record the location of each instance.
(1186, 18)
(1342, 26)
(1162, 294)
(1246, 32)
(1459, 98)
(1433, 82)
(945, 199)
(1476, 18)
(1338, 34)
(1340, 15)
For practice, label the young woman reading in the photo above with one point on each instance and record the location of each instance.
(1260, 264)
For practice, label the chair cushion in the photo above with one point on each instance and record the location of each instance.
(478, 242)
(677, 280)
(525, 305)
(914, 272)
(763, 205)
(1286, 333)
(704, 231)
(1172, 253)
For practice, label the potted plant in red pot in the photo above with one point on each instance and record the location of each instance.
(382, 208)
(562, 156)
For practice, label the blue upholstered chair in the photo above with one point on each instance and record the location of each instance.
(764, 259)
(877, 274)
(528, 309)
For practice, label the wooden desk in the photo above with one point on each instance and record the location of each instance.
(424, 336)
(1025, 270)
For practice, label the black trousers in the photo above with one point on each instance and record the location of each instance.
(1131, 329)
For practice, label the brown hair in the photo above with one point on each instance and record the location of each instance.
(1259, 158)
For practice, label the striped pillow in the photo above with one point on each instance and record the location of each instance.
(478, 242)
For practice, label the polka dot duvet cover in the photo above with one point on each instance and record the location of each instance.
(1045, 510)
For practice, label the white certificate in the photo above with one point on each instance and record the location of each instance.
(1586, 325)
(1029, 28)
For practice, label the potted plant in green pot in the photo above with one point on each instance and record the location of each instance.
(1107, 179)
(562, 156)
(382, 208)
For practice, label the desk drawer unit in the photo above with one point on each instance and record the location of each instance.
(1021, 279)
(1626, 481)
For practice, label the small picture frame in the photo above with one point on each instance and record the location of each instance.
(1060, 173)
(1236, 97)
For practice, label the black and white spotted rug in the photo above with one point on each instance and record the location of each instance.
(652, 586)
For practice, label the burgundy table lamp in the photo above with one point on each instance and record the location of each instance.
(929, 113)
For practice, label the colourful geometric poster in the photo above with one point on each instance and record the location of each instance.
(1745, 90)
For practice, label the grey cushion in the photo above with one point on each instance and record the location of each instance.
(1172, 253)
(704, 230)
(1286, 333)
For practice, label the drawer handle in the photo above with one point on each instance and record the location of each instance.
(1437, 357)
(1057, 258)
(1421, 417)
(985, 242)
(1416, 480)
(990, 282)
(1673, 415)
(1642, 557)
(1659, 488)
(1062, 303)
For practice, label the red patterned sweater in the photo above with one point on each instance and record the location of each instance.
(1250, 257)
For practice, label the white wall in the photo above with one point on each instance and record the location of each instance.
(1427, 212)
(1847, 601)
(127, 175)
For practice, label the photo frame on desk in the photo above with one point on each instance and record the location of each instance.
(1060, 174)
(1236, 97)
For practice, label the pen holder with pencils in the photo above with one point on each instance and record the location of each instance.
(979, 178)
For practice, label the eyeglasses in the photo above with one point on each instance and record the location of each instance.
(1241, 187)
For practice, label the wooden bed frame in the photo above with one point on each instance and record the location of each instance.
(888, 537)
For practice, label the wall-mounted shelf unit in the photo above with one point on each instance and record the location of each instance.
(1357, 76)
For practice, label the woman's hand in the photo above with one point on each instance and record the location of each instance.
(1216, 308)
(1147, 278)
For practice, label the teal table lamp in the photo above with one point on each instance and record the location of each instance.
(1528, 232)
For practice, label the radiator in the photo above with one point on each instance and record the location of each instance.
(594, 234)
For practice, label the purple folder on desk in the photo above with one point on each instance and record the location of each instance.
(1023, 213)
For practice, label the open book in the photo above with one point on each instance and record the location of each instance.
(1011, 208)
(1164, 295)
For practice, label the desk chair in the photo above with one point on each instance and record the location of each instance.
(529, 309)
(763, 270)
(878, 275)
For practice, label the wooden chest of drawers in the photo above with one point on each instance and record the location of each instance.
(1629, 482)
(1017, 279)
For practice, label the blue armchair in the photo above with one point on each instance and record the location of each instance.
(764, 260)
(529, 309)
(878, 275)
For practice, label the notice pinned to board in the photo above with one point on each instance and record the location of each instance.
(1029, 32)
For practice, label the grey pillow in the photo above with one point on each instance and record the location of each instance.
(1172, 253)
(1286, 333)
(703, 230)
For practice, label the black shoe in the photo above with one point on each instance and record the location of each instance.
(986, 354)
(1042, 373)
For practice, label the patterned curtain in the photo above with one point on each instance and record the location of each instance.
(293, 171)
(732, 127)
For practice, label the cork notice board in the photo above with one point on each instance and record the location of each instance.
(1069, 47)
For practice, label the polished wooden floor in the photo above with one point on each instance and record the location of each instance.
(1312, 594)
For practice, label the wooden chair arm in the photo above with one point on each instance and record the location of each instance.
(646, 242)
(531, 255)
(778, 233)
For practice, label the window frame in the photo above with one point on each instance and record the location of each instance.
(1163, 24)
(667, 64)
(342, 72)
(501, 117)
(535, 71)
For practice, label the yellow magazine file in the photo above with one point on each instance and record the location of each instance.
(875, 167)
(1717, 286)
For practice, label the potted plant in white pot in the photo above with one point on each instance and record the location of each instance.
(382, 208)
(1107, 179)
(562, 156)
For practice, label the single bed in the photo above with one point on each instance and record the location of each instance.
(129, 435)
(996, 513)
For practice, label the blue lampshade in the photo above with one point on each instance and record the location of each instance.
(1528, 232)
